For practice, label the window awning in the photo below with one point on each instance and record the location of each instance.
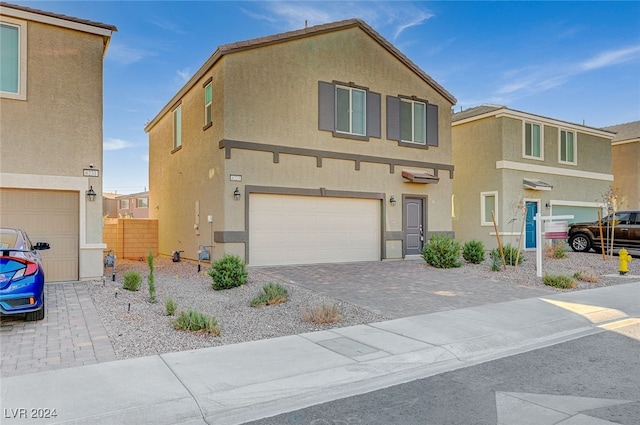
(420, 177)
(536, 185)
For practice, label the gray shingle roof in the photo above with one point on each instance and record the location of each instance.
(475, 111)
(59, 16)
(626, 131)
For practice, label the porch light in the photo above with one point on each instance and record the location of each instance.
(236, 194)
(392, 201)
(91, 194)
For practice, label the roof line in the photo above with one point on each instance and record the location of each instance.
(293, 35)
(59, 16)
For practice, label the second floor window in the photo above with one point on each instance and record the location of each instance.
(567, 147)
(208, 115)
(533, 141)
(143, 203)
(351, 110)
(124, 204)
(13, 60)
(177, 127)
(413, 119)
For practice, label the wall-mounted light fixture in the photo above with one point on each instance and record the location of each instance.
(236, 194)
(91, 194)
(392, 201)
(548, 205)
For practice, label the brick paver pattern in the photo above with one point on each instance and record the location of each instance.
(71, 334)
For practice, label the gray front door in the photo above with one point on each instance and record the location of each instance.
(413, 225)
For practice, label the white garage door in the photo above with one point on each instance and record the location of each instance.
(285, 229)
(47, 216)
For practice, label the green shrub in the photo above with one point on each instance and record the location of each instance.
(228, 272)
(171, 306)
(558, 281)
(442, 252)
(321, 314)
(272, 294)
(132, 281)
(510, 255)
(197, 322)
(151, 279)
(473, 252)
(496, 260)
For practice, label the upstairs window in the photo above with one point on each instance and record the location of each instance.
(567, 147)
(348, 110)
(143, 203)
(177, 127)
(532, 145)
(13, 64)
(412, 122)
(124, 204)
(208, 114)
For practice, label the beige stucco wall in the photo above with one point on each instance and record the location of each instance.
(478, 146)
(269, 95)
(625, 158)
(51, 136)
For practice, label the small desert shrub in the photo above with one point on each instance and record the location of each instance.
(132, 281)
(585, 276)
(272, 294)
(496, 260)
(558, 281)
(197, 322)
(228, 272)
(171, 306)
(557, 249)
(473, 252)
(442, 252)
(511, 253)
(321, 314)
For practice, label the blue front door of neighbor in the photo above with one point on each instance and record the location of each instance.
(530, 227)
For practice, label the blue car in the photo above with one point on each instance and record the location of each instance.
(21, 275)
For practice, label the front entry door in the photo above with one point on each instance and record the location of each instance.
(530, 226)
(413, 225)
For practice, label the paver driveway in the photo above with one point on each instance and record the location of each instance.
(400, 288)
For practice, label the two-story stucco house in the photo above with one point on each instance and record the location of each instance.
(625, 162)
(325, 144)
(135, 205)
(507, 160)
(51, 136)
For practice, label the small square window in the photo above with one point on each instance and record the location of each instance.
(124, 204)
(143, 203)
(488, 204)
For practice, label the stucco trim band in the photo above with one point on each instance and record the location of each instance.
(518, 166)
(276, 150)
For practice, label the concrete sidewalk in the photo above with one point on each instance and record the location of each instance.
(238, 383)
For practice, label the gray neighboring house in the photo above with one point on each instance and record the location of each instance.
(507, 159)
(625, 163)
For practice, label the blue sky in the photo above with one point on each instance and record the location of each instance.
(574, 61)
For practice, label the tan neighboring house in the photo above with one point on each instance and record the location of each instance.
(507, 160)
(51, 136)
(135, 205)
(325, 144)
(625, 162)
(109, 205)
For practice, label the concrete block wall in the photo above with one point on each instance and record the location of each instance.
(131, 238)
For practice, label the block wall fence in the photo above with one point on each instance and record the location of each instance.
(131, 238)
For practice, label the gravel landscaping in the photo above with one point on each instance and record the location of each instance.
(137, 327)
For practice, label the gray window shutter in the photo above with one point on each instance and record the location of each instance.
(393, 118)
(373, 114)
(326, 106)
(432, 124)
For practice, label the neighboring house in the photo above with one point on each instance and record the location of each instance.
(507, 160)
(625, 162)
(51, 136)
(109, 205)
(135, 205)
(325, 144)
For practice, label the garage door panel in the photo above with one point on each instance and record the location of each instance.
(47, 216)
(286, 229)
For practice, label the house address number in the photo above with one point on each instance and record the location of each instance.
(235, 177)
(90, 172)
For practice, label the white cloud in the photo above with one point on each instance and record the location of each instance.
(111, 144)
(125, 54)
(183, 75)
(610, 58)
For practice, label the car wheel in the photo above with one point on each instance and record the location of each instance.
(580, 242)
(35, 315)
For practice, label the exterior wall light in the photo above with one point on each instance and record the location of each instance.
(236, 194)
(392, 201)
(91, 194)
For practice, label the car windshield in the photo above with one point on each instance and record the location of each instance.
(8, 238)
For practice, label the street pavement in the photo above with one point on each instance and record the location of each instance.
(239, 383)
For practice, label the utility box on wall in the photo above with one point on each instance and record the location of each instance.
(131, 238)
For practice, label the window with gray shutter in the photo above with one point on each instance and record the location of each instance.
(432, 124)
(326, 105)
(349, 120)
(393, 118)
(404, 126)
